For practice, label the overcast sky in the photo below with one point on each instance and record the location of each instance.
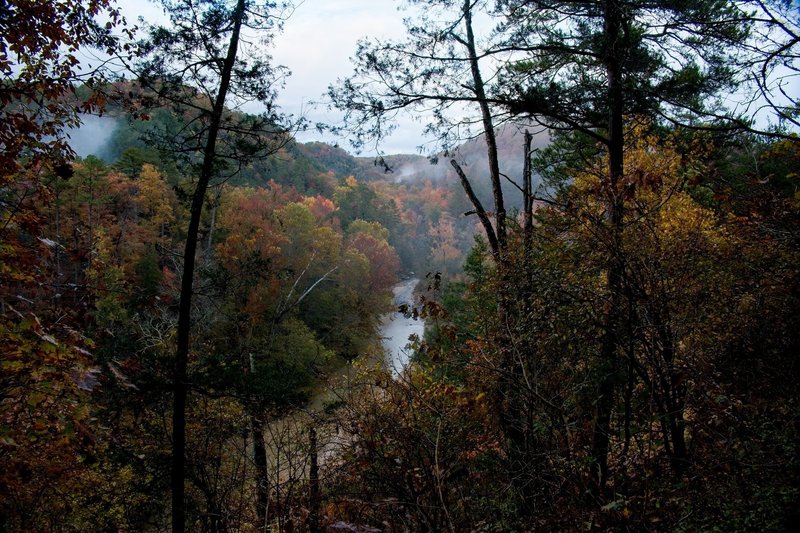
(316, 45)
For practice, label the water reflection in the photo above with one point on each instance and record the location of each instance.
(396, 328)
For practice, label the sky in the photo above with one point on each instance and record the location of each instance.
(316, 45)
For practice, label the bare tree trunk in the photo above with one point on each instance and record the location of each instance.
(479, 210)
(212, 225)
(180, 381)
(527, 189)
(262, 474)
(314, 496)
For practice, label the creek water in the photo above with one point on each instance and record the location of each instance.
(287, 458)
(397, 328)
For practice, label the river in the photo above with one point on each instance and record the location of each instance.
(286, 437)
(396, 328)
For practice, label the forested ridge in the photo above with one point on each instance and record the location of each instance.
(606, 232)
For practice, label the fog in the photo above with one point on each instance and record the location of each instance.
(473, 159)
(93, 136)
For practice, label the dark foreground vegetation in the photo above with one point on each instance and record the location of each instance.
(189, 327)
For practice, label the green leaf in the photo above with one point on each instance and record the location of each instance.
(34, 399)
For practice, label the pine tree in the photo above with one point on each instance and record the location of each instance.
(587, 67)
(202, 66)
(577, 67)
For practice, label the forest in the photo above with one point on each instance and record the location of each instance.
(603, 219)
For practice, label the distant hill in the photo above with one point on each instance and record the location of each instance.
(314, 167)
(342, 163)
(471, 155)
(411, 167)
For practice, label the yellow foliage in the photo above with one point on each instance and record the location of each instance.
(653, 185)
(155, 195)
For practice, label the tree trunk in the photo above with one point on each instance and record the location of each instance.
(180, 383)
(673, 400)
(212, 225)
(488, 132)
(58, 234)
(511, 406)
(262, 474)
(613, 21)
(527, 195)
(314, 497)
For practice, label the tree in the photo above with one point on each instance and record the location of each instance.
(583, 68)
(46, 367)
(776, 66)
(202, 66)
(440, 71)
(39, 74)
(41, 69)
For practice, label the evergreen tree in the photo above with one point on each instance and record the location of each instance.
(587, 67)
(579, 67)
(202, 66)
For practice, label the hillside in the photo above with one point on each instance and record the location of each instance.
(195, 312)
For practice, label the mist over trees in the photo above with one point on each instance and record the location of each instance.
(606, 234)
